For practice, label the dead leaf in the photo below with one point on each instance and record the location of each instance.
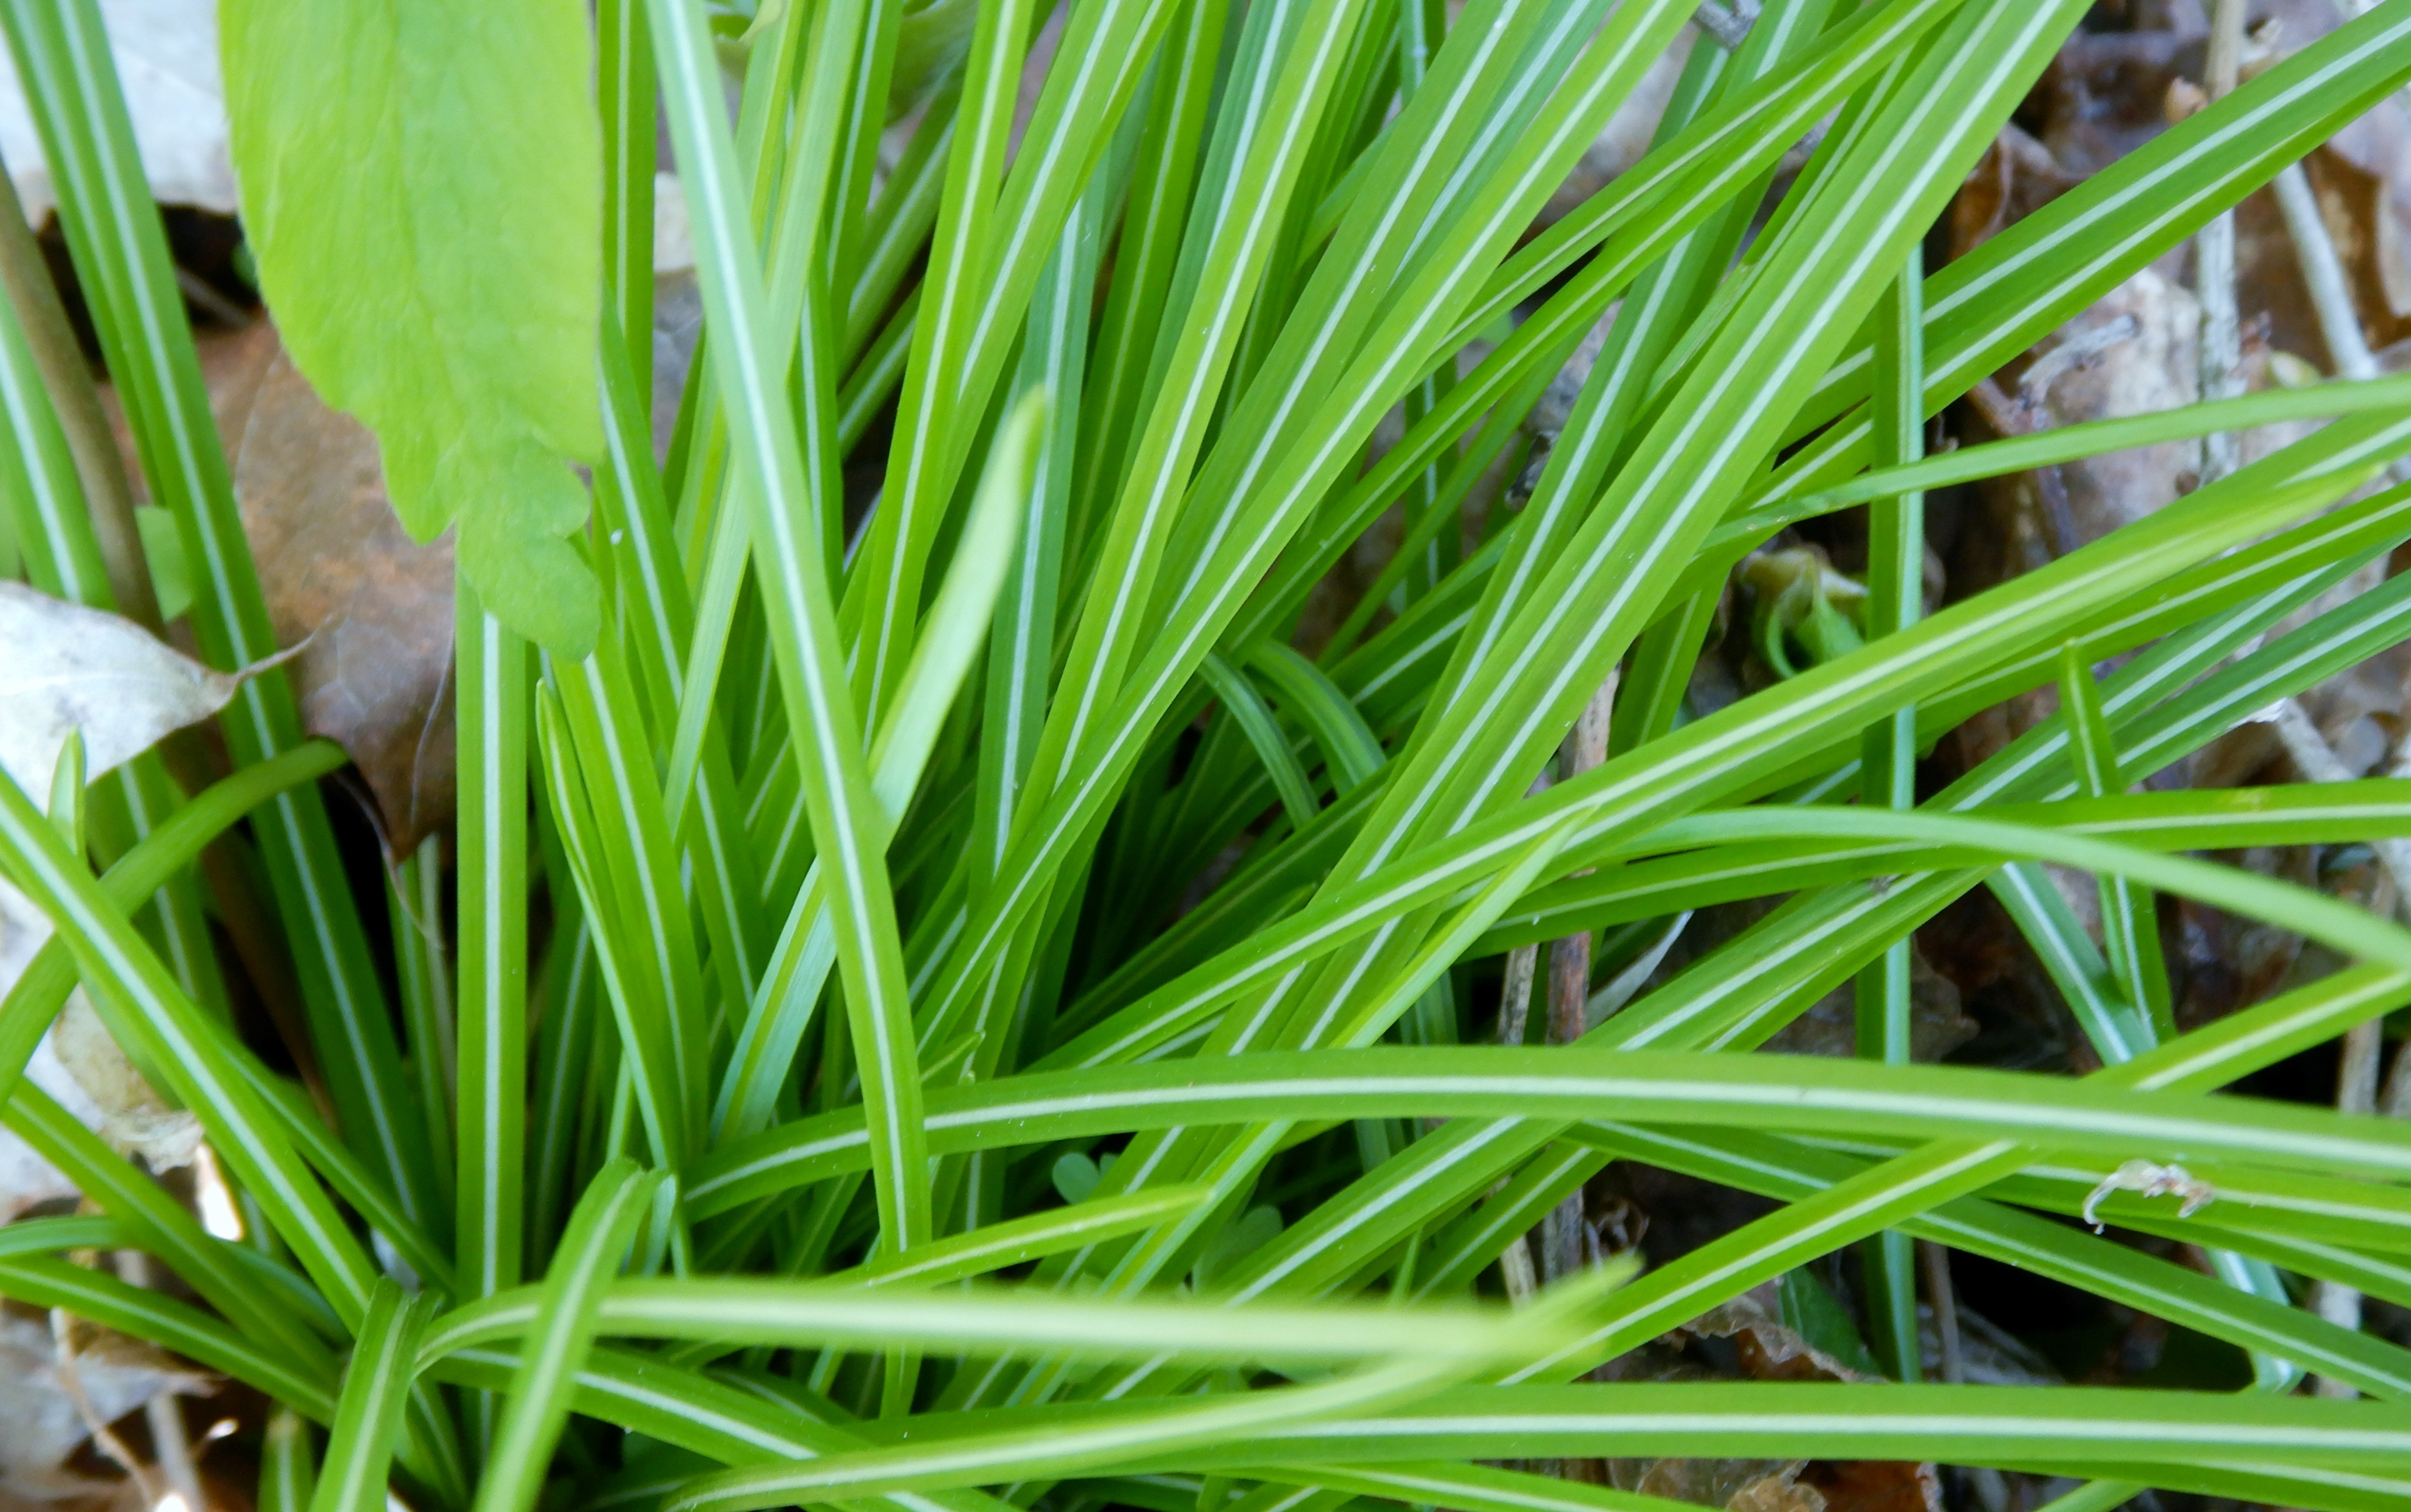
(2016, 177)
(1873, 1486)
(374, 607)
(1768, 1349)
(134, 1119)
(118, 1374)
(64, 667)
(1741, 1340)
(1736, 1485)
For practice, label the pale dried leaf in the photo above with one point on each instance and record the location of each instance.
(64, 667)
(134, 1119)
(43, 1428)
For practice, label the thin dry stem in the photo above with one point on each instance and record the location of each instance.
(2221, 355)
(1562, 1251)
(63, 1327)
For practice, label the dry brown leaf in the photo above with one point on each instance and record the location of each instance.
(2016, 177)
(337, 569)
(1737, 1485)
(1763, 1349)
(1873, 1484)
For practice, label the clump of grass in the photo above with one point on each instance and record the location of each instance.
(846, 906)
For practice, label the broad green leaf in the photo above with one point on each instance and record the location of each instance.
(422, 190)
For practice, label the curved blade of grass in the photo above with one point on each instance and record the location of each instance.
(788, 560)
(1654, 1087)
(1778, 1168)
(174, 1036)
(2092, 438)
(2203, 820)
(38, 994)
(637, 1005)
(1060, 1447)
(1961, 1425)
(162, 1226)
(1474, 1487)
(1252, 715)
(141, 1312)
(561, 1332)
(955, 627)
(1913, 1184)
(804, 1313)
(1350, 748)
(369, 1412)
(44, 1236)
(718, 1417)
(2252, 1200)
(1461, 1159)
(637, 860)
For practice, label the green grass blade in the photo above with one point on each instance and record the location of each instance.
(1656, 1086)
(173, 1035)
(369, 1413)
(798, 967)
(41, 991)
(164, 1228)
(1247, 710)
(492, 703)
(1148, 1429)
(635, 992)
(953, 289)
(289, 1472)
(121, 255)
(846, 825)
(590, 1254)
(145, 1313)
(1021, 646)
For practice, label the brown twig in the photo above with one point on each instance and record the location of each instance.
(63, 1325)
(161, 1413)
(1562, 1251)
(2009, 417)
